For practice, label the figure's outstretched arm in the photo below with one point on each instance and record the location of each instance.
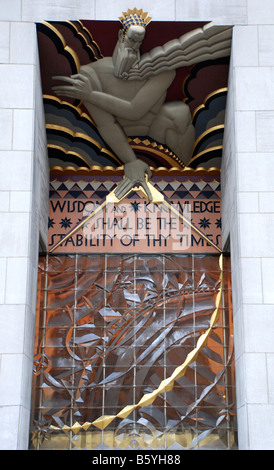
(135, 170)
(142, 102)
(80, 88)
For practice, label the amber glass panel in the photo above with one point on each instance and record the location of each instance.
(109, 329)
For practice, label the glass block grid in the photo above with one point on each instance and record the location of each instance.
(110, 329)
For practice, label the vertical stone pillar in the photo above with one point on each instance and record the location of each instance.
(248, 219)
(23, 213)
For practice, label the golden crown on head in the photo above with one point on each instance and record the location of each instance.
(134, 18)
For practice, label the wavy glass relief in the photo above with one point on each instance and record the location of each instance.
(111, 329)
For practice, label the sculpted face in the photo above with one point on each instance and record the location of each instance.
(128, 53)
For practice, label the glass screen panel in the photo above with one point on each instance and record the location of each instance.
(110, 330)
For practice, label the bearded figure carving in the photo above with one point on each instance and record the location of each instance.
(125, 94)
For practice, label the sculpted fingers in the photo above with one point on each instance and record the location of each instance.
(80, 81)
(123, 187)
(79, 89)
(82, 78)
(126, 185)
(63, 79)
(62, 88)
(147, 190)
(65, 90)
(68, 91)
(148, 172)
(136, 173)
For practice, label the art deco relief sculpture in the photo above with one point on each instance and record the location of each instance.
(125, 94)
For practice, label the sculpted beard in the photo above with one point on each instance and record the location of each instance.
(125, 60)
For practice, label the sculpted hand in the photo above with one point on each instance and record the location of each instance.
(135, 174)
(80, 87)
